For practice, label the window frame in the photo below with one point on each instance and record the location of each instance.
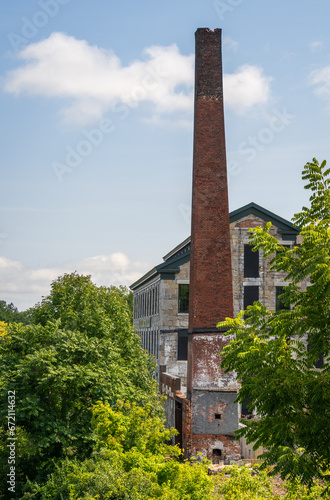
(183, 310)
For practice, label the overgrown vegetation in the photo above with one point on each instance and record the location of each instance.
(130, 461)
(90, 423)
(246, 483)
(275, 354)
(80, 349)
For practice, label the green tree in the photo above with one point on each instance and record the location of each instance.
(80, 349)
(127, 294)
(131, 461)
(10, 314)
(275, 354)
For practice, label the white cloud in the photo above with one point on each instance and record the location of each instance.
(246, 88)
(320, 78)
(94, 81)
(95, 78)
(25, 287)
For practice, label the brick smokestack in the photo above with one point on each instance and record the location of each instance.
(210, 391)
(211, 295)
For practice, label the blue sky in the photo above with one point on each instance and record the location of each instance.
(96, 127)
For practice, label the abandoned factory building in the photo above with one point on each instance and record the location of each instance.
(161, 297)
(161, 306)
(210, 276)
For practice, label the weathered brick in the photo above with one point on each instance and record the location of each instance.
(211, 296)
(209, 389)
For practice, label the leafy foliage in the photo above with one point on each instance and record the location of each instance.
(127, 425)
(237, 483)
(274, 354)
(3, 328)
(131, 461)
(245, 483)
(81, 349)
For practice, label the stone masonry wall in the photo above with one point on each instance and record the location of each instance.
(172, 320)
(268, 280)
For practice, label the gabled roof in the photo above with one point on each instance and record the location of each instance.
(283, 225)
(181, 253)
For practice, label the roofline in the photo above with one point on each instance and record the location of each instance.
(168, 267)
(253, 208)
(145, 277)
(177, 248)
(233, 216)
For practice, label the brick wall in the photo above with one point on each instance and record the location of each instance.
(213, 414)
(210, 261)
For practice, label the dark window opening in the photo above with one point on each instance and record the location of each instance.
(246, 411)
(251, 294)
(178, 423)
(286, 246)
(216, 456)
(319, 363)
(183, 298)
(280, 306)
(251, 262)
(183, 346)
(217, 416)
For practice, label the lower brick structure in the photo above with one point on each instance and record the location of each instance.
(215, 448)
(204, 362)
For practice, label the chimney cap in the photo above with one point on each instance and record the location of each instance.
(207, 30)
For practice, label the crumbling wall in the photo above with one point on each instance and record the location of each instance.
(205, 362)
(215, 448)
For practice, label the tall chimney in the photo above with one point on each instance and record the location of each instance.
(213, 413)
(211, 295)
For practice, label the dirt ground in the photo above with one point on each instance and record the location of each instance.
(278, 487)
